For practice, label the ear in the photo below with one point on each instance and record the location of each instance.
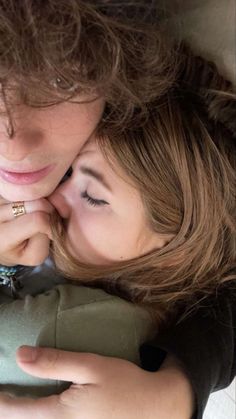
(155, 241)
(161, 240)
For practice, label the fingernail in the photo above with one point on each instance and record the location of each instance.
(27, 354)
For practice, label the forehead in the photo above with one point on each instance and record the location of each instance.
(91, 149)
(91, 154)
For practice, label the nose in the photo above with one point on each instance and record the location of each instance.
(19, 137)
(61, 199)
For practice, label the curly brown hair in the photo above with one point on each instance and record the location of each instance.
(51, 51)
(183, 162)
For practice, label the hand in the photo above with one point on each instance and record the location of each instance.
(27, 237)
(102, 388)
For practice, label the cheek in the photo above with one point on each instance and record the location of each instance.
(70, 125)
(91, 236)
(101, 238)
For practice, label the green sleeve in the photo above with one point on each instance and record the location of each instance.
(71, 318)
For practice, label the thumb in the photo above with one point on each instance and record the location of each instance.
(55, 364)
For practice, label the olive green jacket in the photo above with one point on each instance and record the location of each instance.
(72, 318)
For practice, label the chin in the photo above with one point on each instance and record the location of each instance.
(14, 193)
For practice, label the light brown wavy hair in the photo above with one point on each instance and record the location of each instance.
(52, 51)
(183, 161)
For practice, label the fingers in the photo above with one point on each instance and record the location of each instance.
(36, 252)
(26, 238)
(42, 205)
(80, 368)
(25, 227)
(39, 205)
(26, 408)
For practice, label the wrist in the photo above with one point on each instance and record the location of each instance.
(173, 380)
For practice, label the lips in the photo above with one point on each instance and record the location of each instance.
(25, 178)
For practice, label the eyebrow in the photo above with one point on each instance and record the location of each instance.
(96, 175)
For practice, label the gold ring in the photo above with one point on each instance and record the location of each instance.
(18, 208)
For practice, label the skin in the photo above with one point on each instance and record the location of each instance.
(56, 135)
(47, 136)
(102, 388)
(174, 395)
(102, 210)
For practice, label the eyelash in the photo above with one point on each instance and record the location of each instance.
(93, 202)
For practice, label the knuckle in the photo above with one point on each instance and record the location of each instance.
(33, 260)
(40, 219)
(39, 260)
(39, 205)
(28, 262)
(37, 254)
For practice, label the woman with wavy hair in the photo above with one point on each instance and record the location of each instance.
(149, 213)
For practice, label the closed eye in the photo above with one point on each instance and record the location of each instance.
(92, 201)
